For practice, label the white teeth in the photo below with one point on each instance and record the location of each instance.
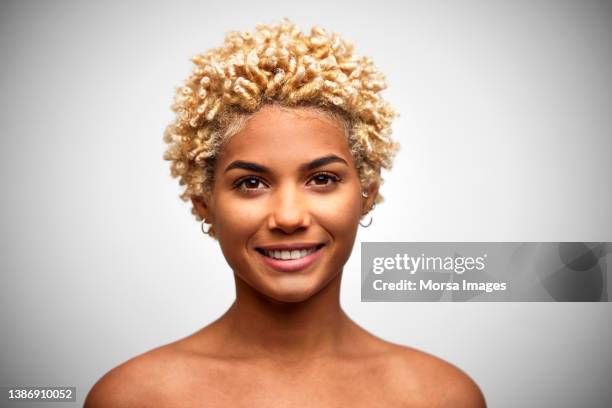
(286, 255)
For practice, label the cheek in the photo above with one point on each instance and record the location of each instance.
(235, 224)
(234, 218)
(339, 214)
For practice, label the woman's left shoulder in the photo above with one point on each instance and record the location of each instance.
(433, 381)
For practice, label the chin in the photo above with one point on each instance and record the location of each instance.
(290, 297)
(290, 292)
(292, 289)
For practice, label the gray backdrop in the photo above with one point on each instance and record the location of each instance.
(506, 136)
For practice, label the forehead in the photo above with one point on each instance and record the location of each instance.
(277, 134)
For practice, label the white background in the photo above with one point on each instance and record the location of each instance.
(505, 130)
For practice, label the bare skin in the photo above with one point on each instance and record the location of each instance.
(285, 341)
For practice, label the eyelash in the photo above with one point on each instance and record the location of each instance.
(239, 185)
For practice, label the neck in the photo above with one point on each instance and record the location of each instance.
(260, 326)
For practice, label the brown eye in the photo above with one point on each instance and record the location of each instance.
(248, 183)
(251, 183)
(325, 179)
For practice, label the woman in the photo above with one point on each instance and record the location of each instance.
(279, 141)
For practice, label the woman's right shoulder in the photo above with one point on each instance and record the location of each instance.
(137, 382)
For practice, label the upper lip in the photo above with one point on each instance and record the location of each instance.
(289, 246)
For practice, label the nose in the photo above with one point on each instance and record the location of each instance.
(289, 211)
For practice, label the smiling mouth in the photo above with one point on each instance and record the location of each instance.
(288, 255)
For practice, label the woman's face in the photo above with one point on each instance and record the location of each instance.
(286, 202)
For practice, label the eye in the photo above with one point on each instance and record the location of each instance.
(325, 179)
(249, 184)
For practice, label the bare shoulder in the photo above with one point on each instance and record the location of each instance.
(142, 381)
(426, 380)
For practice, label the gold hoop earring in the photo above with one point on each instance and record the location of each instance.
(202, 228)
(368, 224)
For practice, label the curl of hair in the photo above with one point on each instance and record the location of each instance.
(277, 64)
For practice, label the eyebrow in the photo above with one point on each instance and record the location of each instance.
(258, 168)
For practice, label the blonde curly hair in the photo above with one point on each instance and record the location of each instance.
(277, 64)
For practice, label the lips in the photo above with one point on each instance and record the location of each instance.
(290, 258)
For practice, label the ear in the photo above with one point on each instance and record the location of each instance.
(368, 202)
(202, 208)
